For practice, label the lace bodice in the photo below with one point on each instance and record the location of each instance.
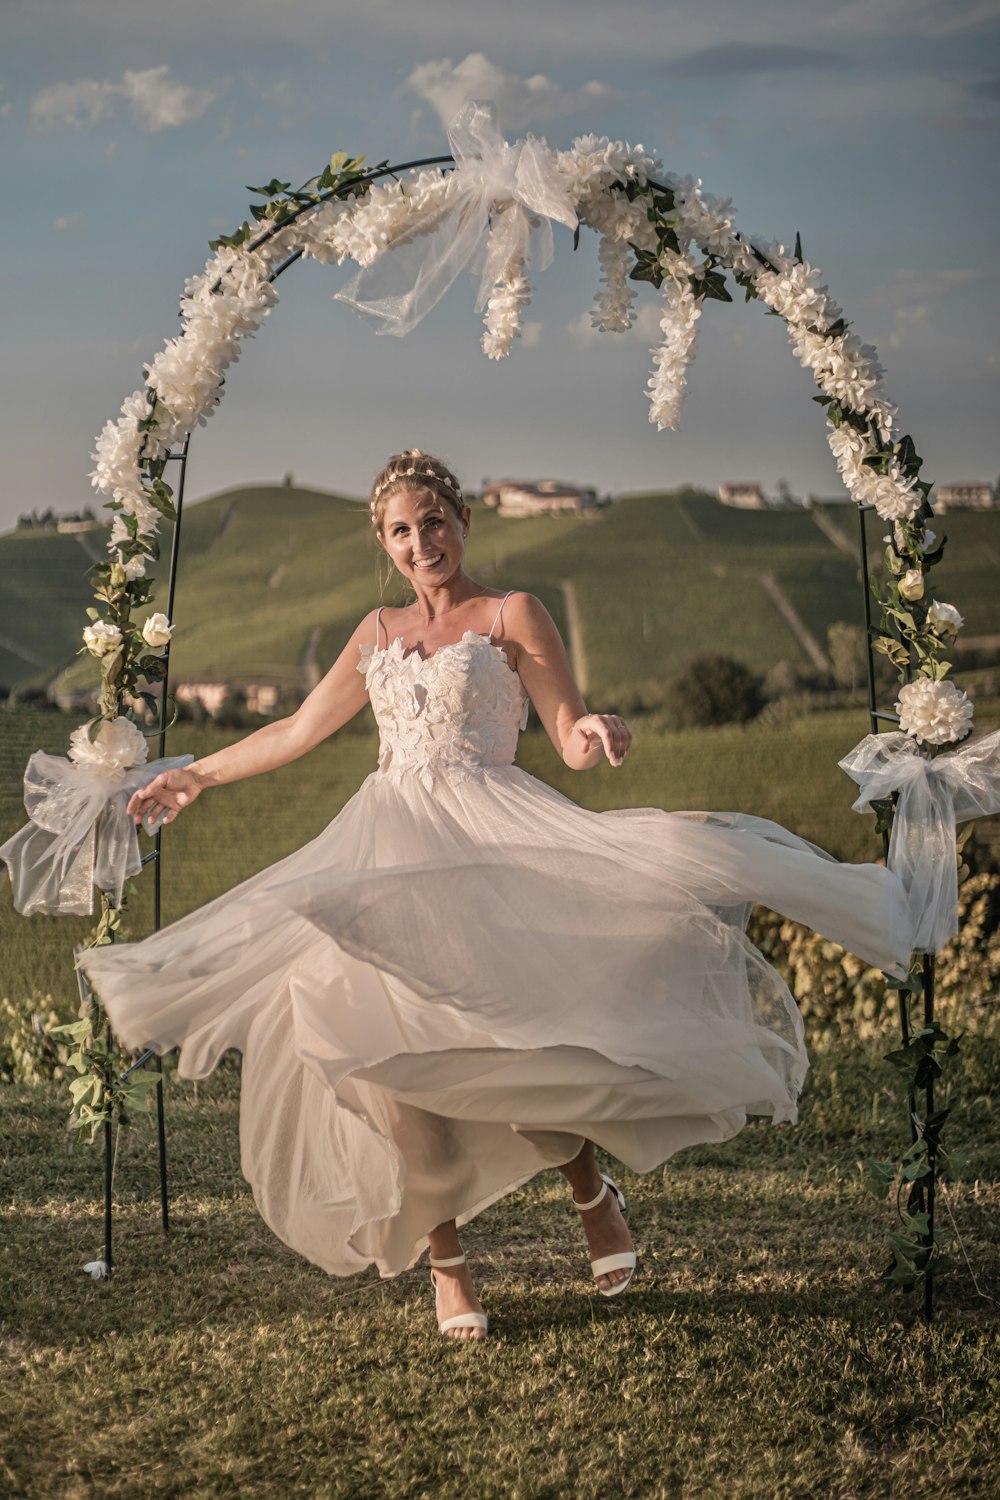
(463, 707)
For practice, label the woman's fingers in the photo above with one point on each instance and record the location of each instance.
(612, 732)
(156, 797)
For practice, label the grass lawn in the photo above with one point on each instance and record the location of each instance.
(756, 1354)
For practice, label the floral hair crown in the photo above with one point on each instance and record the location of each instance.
(413, 472)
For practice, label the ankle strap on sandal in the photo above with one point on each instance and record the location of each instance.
(582, 1207)
(454, 1260)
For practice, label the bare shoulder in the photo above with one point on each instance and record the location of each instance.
(525, 612)
(527, 621)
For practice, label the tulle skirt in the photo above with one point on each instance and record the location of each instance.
(466, 975)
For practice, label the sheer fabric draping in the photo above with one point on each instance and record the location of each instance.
(499, 204)
(934, 795)
(78, 834)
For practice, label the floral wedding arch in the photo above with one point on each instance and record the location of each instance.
(411, 230)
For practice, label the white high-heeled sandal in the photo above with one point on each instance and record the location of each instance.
(462, 1320)
(625, 1260)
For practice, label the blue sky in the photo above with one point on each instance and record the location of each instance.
(129, 131)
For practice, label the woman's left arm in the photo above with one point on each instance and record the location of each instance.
(581, 738)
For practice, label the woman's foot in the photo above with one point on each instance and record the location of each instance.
(456, 1297)
(607, 1234)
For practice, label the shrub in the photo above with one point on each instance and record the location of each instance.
(842, 999)
(715, 690)
(28, 1053)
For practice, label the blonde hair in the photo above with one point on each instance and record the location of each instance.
(413, 469)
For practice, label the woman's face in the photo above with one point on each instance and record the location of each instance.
(424, 536)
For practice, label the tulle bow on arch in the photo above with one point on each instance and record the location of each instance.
(498, 208)
(934, 795)
(79, 834)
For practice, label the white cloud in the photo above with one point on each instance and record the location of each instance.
(68, 221)
(157, 101)
(521, 102)
(531, 333)
(161, 102)
(72, 104)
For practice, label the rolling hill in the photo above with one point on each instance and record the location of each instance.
(274, 579)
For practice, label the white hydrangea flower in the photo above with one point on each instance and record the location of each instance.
(797, 294)
(894, 497)
(101, 637)
(118, 746)
(884, 415)
(318, 233)
(937, 713)
(851, 373)
(386, 211)
(116, 455)
(134, 567)
(594, 162)
(850, 448)
(944, 619)
(705, 221)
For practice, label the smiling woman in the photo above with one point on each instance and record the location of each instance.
(467, 978)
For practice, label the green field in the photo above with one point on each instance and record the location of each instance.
(658, 579)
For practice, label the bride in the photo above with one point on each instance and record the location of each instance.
(467, 978)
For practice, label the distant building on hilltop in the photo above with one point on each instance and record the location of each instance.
(964, 497)
(260, 697)
(743, 495)
(47, 520)
(540, 497)
(746, 494)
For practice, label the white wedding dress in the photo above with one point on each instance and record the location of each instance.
(466, 974)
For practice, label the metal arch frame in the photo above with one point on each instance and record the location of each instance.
(924, 1195)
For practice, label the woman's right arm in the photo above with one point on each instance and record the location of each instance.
(336, 699)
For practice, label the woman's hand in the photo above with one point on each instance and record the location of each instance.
(168, 792)
(606, 731)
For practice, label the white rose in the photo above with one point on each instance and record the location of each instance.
(935, 712)
(157, 630)
(119, 745)
(100, 638)
(944, 619)
(911, 585)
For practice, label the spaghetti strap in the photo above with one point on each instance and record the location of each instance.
(378, 621)
(496, 622)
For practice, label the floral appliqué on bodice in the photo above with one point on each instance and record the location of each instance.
(460, 709)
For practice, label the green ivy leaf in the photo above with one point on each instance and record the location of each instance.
(159, 496)
(647, 267)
